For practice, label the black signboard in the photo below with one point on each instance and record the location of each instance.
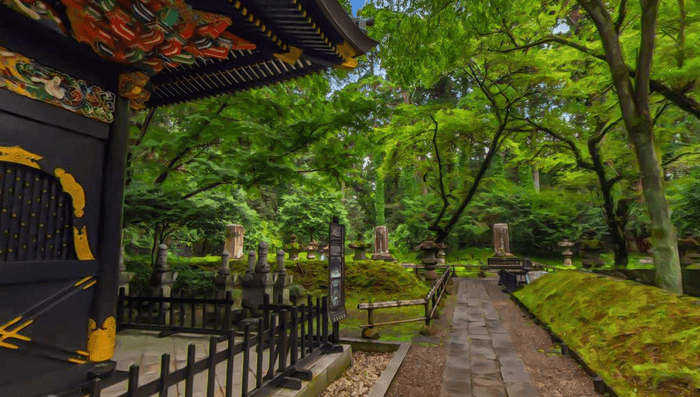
(336, 271)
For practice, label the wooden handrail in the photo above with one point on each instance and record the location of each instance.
(384, 305)
(439, 288)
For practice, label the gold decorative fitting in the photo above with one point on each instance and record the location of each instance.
(132, 86)
(290, 57)
(6, 334)
(82, 246)
(101, 340)
(73, 188)
(18, 155)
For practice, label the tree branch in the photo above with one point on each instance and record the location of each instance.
(569, 142)
(621, 14)
(650, 9)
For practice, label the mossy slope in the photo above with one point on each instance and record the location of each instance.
(642, 340)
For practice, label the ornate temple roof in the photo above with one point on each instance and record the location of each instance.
(171, 51)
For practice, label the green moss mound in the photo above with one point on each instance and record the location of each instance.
(642, 340)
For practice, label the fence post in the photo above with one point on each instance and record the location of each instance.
(164, 372)
(370, 317)
(324, 316)
(133, 385)
(227, 311)
(246, 361)
(302, 309)
(310, 306)
(259, 363)
(283, 341)
(293, 335)
(271, 360)
(318, 322)
(211, 375)
(427, 312)
(230, 362)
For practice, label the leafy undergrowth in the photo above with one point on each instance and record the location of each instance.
(642, 340)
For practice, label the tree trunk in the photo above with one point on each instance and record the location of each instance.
(636, 113)
(615, 228)
(663, 234)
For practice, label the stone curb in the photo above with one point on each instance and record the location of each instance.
(598, 382)
(316, 386)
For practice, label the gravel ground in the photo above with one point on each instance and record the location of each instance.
(552, 374)
(357, 381)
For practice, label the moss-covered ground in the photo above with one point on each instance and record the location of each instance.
(642, 340)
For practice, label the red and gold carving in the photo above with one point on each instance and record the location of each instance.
(133, 87)
(156, 33)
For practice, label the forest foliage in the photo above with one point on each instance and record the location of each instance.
(467, 114)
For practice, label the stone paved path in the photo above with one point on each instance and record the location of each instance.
(481, 359)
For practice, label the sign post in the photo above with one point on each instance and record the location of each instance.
(336, 275)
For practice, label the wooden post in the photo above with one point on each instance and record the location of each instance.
(427, 312)
(109, 248)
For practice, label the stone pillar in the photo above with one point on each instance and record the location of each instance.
(258, 283)
(282, 282)
(501, 239)
(429, 248)
(381, 245)
(225, 281)
(234, 241)
(163, 279)
(124, 276)
(566, 251)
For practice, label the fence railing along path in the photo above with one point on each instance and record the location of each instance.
(430, 302)
(289, 340)
(185, 312)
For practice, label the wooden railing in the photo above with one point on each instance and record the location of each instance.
(179, 312)
(430, 302)
(288, 345)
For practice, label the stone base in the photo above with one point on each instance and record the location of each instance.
(371, 333)
(381, 256)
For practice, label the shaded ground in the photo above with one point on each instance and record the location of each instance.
(552, 374)
(421, 373)
(359, 379)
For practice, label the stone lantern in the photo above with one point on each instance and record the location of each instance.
(566, 251)
(311, 249)
(430, 249)
(591, 248)
(293, 248)
(360, 248)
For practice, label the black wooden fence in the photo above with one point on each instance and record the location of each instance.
(182, 311)
(287, 334)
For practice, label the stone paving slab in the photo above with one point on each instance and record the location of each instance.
(481, 358)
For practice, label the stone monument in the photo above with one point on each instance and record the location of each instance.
(162, 280)
(124, 276)
(224, 280)
(257, 283)
(429, 248)
(381, 245)
(566, 247)
(234, 241)
(501, 239)
(282, 282)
